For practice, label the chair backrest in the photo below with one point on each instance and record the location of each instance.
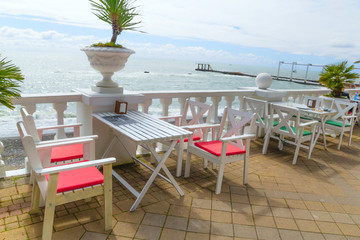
(237, 121)
(286, 115)
(197, 111)
(29, 123)
(318, 101)
(30, 147)
(259, 108)
(344, 108)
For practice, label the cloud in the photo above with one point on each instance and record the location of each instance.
(25, 39)
(308, 27)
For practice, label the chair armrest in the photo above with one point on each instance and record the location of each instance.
(170, 117)
(348, 117)
(71, 141)
(308, 123)
(59, 126)
(73, 166)
(67, 139)
(200, 126)
(232, 138)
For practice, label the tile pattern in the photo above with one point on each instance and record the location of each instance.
(319, 198)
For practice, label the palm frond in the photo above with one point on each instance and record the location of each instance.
(10, 79)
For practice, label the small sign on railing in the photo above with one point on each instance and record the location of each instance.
(121, 107)
(311, 103)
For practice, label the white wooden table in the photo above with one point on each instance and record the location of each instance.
(146, 131)
(316, 114)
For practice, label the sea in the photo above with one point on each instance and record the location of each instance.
(47, 72)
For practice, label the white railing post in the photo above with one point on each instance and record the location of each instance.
(145, 105)
(165, 102)
(229, 100)
(182, 104)
(215, 101)
(60, 109)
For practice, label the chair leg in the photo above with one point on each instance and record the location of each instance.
(205, 162)
(266, 142)
(340, 140)
(187, 165)
(35, 198)
(180, 152)
(296, 151)
(108, 196)
(220, 178)
(281, 144)
(245, 172)
(350, 135)
(50, 207)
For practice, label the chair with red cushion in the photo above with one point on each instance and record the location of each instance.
(59, 155)
(197, 111)
(65, 183)
(227, 148)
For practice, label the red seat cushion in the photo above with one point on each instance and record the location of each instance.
(195, 138)
(78, 178)
(214, 147)
(67, 153)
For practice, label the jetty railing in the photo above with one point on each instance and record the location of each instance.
(173, 100)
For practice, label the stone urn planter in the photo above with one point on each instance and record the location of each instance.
(107, 60)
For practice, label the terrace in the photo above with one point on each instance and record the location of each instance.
(316, 199)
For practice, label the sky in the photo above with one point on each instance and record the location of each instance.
(252, 32)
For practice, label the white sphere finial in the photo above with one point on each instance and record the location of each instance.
(263, 80)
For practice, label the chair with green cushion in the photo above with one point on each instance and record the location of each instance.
(260, 109)
(290, 127)
(344, 120)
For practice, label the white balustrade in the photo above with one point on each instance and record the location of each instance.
(145, 99)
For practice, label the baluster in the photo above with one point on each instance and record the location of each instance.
(200, 99)
(182, 104)
(165, 102)
(241, 100)
(145, 105)
(215, 101)
(229, 100)
(60, 108)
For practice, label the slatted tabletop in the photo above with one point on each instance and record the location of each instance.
(141, 127)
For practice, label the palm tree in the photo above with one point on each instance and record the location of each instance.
(334, 77)
(10, 78)
(119, 14)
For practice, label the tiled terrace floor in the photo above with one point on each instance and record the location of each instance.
(316, 199)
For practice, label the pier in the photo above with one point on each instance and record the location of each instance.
(206, 67)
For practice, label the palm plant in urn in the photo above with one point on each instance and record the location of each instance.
(110, 57)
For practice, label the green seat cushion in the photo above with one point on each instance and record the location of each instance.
(274, 124)
(336, 123)
(305, 118)
(305, 133)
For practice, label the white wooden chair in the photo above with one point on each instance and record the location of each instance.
(344, 120)
(260, 108)
(60, 154)
(226, 148)
(197, 111)
(65, 183)
(289, 126)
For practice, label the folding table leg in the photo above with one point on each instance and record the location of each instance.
(166, 170)
(161, 165)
